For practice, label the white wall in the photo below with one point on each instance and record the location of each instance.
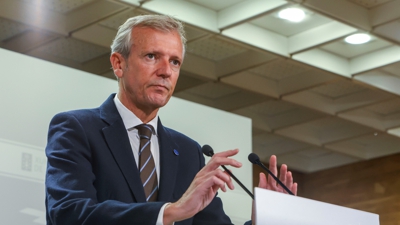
(32, 91)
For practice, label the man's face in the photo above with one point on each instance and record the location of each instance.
(152, 69)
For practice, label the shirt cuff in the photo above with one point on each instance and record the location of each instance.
(161, 215)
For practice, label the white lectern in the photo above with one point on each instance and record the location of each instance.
(273, 208)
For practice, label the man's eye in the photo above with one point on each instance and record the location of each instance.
(151, 56)
(176, 62)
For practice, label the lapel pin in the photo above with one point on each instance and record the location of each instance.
(176, 152)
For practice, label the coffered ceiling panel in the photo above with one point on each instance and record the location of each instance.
(60, 16)
(390, 30)
(324, 131)
(369, 146)
(103, 32)
(273, 115)
(381, 116)
(266, 144)
(279, 77)
(74, 50)
(381, 79)
(214, 48)
(370, 3)
(315, 100)
(187, 81)
(338, 90)
(193, 33)
(279, 70)
(207, 60)
(28, 40)
(215, 5)
(61, 6)
(221, 96)
(10, 29)
(117, 20)
(343, 49)
(334, 97)
(286, 28)
(393, 69)
(323, 159)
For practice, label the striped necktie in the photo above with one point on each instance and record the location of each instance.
(148, 173)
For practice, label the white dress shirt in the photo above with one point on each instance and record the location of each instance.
(130, 121)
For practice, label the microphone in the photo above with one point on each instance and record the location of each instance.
(253, 158)
(208, 151)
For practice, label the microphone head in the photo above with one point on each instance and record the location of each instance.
(207, 150)
(253, 158)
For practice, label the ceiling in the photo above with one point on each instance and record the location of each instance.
(315, 101)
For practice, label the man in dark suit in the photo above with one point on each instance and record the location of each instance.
(117, 164)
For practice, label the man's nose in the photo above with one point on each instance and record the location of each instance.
(164, 68)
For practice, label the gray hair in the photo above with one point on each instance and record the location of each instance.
(122, 42)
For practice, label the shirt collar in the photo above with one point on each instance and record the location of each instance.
(129, 119)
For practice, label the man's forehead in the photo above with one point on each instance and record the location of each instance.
(140, 30)
(141, 35)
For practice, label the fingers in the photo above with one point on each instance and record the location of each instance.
(220, 180)
(205, 185)
(283, 174)
(221, 158)
(228, 181)
(274, 170)
(212, 176)
(227, 153)
(294, 188)
(218, 183)
(263, 181)
(285, 177)
(200, 193)
(216, 179)
(273, 165)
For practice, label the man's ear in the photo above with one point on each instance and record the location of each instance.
(118, 63)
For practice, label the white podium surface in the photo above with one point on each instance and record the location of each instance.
(273, 208)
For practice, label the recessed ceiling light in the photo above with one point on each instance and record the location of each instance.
(292, 14)
(357, 39)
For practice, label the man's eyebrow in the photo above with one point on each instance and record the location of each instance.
(177, 58)
(157, 52)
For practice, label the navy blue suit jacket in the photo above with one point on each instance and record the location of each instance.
(92, 177)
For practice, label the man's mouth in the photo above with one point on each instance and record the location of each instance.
(161, 86)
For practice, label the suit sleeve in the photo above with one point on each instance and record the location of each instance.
(70, 193)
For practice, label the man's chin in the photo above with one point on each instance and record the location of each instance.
(159, 102)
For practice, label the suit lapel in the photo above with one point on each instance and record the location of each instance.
(118, 142)
(168, 163)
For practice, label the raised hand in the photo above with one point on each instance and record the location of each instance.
(285, 177)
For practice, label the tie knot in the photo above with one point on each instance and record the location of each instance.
(145, 131)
